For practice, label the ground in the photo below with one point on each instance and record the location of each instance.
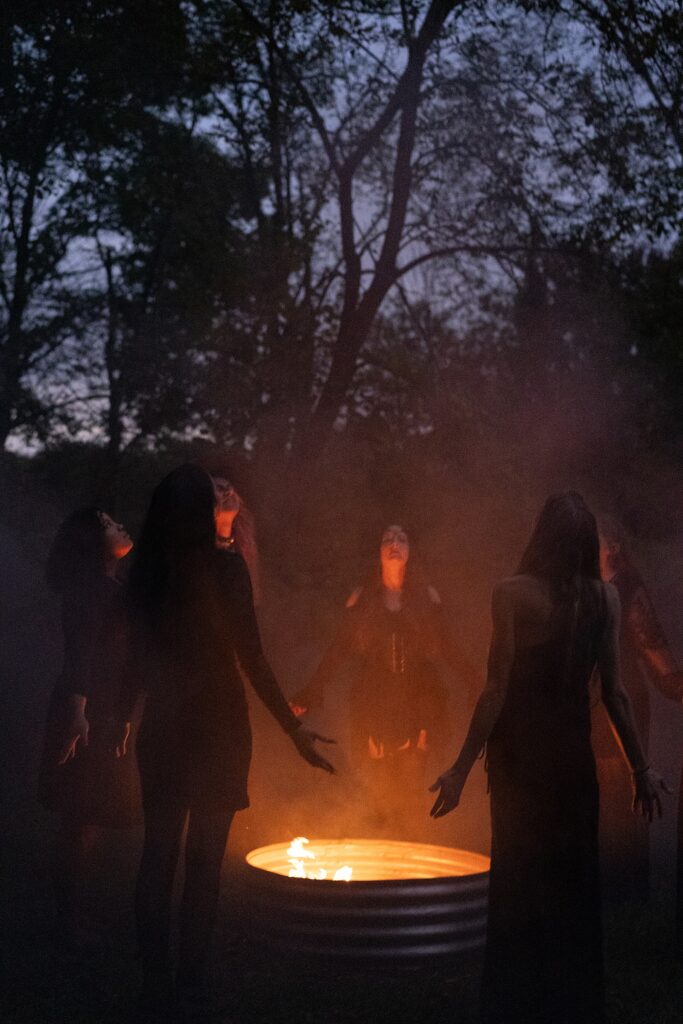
(42, 984)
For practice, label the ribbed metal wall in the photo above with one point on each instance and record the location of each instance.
(405, 920)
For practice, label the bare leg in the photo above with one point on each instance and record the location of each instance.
(207, 835)
(154, 890)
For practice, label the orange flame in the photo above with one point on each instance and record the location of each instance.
(297, 855)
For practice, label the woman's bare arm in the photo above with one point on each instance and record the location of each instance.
(614, 696)
(618, 705)
(489, 705)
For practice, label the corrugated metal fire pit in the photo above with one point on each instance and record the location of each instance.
(406, 903)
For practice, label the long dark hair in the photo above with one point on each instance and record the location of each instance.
(564, 546)
(78, 552)
(564, 550)
(178, 534)
(415, 600)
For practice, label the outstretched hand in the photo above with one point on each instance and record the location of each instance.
(647, 786)
(304, 740)
(450, 786)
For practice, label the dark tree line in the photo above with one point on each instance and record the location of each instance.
(257, 222)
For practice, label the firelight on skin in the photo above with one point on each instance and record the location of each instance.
(117, 541)
(228, 504)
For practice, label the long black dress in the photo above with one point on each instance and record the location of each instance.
(544, 944)
(398, 706)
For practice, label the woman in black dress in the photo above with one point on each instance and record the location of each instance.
(646, 661)
(80, 777)
(393, 633)
(193, 629)
(552, 623)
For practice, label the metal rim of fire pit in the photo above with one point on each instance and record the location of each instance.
(440, 913)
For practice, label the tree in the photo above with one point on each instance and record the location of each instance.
(63, 93)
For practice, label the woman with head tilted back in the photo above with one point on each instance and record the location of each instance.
(192, 629)
(393, 633)
(80, 777)
(235, 529)
(553, 623)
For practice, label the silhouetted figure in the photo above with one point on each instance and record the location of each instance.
(393, 633)
(192, 623)
(646, 659)
(80, 777)
(552, 623)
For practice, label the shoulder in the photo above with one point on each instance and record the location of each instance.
(523, 593)
(515, 588)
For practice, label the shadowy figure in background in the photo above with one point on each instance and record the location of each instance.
(192, 622)
(394, 633)
(79, 776)
(552, 623)
(646, 658)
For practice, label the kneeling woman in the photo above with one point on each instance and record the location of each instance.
(192, 623)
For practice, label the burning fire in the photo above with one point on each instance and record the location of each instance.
(298, 855)
(364, 860)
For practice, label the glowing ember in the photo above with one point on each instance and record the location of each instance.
(298, 854)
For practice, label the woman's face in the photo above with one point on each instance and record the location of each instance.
(395, 546)
(227, 503)
(116, 539)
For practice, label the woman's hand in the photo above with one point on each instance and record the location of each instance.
(304, 740)
(77, 732)
(450, 786)
(121, 737)
(646, 787)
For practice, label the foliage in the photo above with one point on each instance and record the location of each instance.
(277, 219)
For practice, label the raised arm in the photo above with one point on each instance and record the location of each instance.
(646, 782)
(489, 705)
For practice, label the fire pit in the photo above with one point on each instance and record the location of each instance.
(367, 899)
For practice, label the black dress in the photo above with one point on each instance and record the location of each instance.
(194, 743)
(94, 787)
(543, 960)
(398, 708)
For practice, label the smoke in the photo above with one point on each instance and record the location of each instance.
(469, 518)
